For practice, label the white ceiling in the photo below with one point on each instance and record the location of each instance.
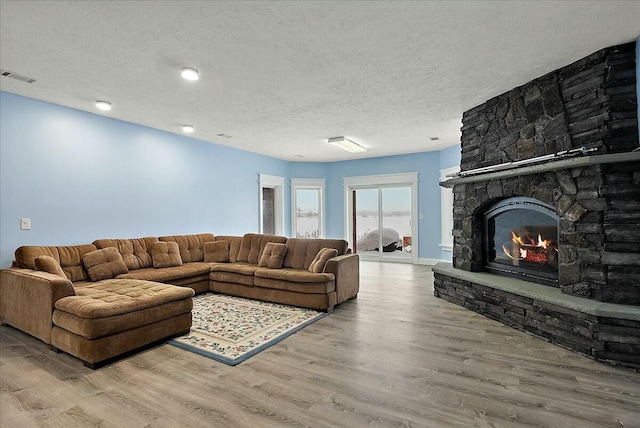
(282, 77)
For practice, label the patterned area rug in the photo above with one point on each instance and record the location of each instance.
(232, 329)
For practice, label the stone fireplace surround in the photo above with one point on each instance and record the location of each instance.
(590, 103)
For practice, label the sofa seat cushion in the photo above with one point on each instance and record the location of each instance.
(112, 297)
(235, 273)
(294, 275)
(93, 328)
(168, 274)
(315, 283)
(238, 267)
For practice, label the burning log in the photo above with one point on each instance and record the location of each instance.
(532, 250)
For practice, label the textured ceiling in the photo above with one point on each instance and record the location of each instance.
(282, 77)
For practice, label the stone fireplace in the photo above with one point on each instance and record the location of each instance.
(549, 196)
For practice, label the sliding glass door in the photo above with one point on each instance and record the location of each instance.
(366, 221)
(381, 221)
(396, 222)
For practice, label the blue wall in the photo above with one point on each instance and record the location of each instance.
(450, 157)
(81, 176)
(426, 164)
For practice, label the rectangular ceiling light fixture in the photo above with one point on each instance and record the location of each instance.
(347, 145)
(11, 74)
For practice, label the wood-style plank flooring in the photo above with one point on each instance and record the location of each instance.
(395, 357)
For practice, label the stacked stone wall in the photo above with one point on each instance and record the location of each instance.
(610, 340)
(590, 103)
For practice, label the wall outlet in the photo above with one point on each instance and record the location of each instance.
(25, 223)
(420, 216)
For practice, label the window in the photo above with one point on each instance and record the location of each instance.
(307, 208)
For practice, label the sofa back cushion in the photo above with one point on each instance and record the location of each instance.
(106, 263)
(253, 244)
(234, 246)
(191, 246)
(136, 252)
(165, 254)
(301, 252)
(273, 255)
(216, 252)
(69, 257)
(321, 259)
(49, 264)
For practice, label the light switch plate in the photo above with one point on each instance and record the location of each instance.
(25, 223)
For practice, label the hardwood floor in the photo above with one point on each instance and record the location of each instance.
(396, 356)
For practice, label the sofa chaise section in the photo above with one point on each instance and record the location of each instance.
(92, 320)
(111, 317)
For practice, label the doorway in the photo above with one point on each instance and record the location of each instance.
(381, 213)
(271, 204)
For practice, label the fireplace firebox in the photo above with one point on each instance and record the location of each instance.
(520, 237)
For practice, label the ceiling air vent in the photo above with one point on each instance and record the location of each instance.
(17, 76)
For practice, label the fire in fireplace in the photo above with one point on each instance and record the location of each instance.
(520, 237)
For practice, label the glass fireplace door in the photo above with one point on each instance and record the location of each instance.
(521, 239)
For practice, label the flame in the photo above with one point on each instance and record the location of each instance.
(526, 248)
(515, 238)
(543, 242)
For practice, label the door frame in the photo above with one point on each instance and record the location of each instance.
(318, 184)
(277, 184)
(409, 179)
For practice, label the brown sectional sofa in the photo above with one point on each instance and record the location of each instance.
(98, 320)
(292, 284)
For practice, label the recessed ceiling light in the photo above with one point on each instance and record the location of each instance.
(103, 105)
(188, 129)
(189, 73)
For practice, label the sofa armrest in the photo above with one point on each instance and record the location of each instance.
(27, 299)
(346, 269)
